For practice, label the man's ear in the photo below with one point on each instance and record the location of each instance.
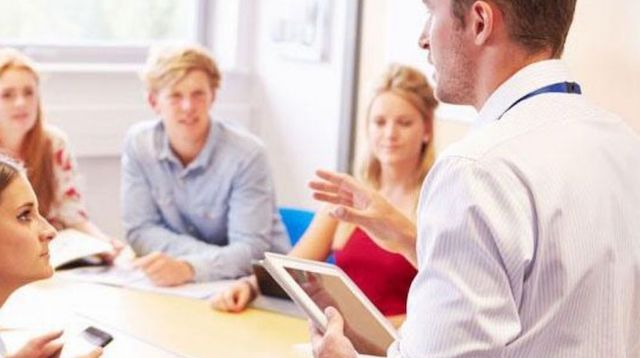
(482, 20)
(428, 130)
(152, 99)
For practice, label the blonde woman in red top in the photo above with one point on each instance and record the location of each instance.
(399, 155)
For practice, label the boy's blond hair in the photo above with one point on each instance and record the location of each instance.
(167, 65)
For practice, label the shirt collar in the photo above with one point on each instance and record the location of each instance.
(203, 158)
(526, 80)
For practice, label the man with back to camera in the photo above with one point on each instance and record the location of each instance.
(528, 238)
(198, 198)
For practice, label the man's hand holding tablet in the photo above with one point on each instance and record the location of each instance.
(315, 286)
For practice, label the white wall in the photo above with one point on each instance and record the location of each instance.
(603, 52)
(298, 106)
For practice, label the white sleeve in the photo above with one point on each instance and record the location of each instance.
(476, 237)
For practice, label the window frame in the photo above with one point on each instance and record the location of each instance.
(111, 54)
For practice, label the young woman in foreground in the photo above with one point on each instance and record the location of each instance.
(24, 251)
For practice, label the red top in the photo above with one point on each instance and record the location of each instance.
(383, 276)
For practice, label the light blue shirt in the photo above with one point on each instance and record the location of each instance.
(529, 233)
(217, 213)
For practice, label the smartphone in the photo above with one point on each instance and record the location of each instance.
(96, 336)
(85, 342)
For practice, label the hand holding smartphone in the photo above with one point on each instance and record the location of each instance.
(84, 343)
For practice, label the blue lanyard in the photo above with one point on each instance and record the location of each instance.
(560, 87)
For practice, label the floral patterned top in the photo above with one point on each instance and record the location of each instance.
(67, 207)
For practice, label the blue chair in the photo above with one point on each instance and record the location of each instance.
(296, 221)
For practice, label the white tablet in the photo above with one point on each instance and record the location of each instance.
(316, 285)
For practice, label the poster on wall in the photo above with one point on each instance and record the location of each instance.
(300, 29)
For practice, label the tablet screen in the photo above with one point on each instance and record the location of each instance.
(365, 332)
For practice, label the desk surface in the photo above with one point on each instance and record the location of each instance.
(179, 326)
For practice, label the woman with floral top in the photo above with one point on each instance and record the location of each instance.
(50, 165)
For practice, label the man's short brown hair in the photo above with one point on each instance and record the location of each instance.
(535, 24)
(167, 65)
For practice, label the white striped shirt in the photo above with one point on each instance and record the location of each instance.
(529, 233)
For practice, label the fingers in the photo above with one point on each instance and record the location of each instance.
(117, 246)
(238, 298)
(328, 198)
(335, 323)
(228, 301)
(97, 352)
(340, 180)
(349, 215)
(51, 349)
(217, 302)
(332, 182)
(165, 270)
(147, 260)
(43, 346)
(330, 176)
(316, 334)
(156, 267)
(235, 299)
(41, 341)
(332, 343)
(151, 264)
(323, 186)
(339, 189)
(242, 299)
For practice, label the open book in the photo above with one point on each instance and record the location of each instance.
(74, 248)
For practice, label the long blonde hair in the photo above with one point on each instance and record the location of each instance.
(36, 149)
(412, 86)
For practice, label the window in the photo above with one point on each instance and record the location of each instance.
(108, 31)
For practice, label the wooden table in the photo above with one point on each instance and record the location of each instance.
(146, 322)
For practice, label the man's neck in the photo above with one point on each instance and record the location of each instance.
(499, 67)
(5, 292)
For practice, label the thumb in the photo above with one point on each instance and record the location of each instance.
(346, 214)
(96, 353)
(335, 323)
(43, 340)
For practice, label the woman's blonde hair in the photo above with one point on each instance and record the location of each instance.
(412, 86)
(167, 65)
(36, 150)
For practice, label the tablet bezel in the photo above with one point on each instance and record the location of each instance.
(276, 264)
